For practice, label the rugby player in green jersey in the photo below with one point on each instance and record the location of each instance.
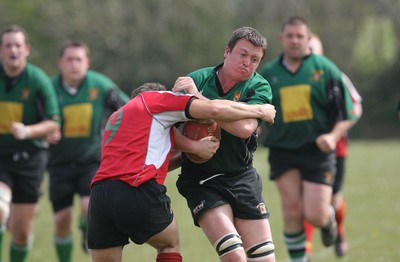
(224, 194)
(313, 113)
(86, 99)
(29, 112)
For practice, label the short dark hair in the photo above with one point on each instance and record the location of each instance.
(14, 29)
(146, 87)
(73, 43)
(294, 20)
(250, 34)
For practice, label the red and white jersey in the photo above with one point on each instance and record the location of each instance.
(138, 138)
(355, 96)
(341, 146)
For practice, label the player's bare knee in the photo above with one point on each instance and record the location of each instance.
(5, 199)
(260, 251)
(228, 243)
(22, 235)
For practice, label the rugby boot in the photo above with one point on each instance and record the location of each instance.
(341, 246)
(329, 232)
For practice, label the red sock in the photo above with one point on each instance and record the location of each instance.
(169, 257)
(340, 215)
(309, 229)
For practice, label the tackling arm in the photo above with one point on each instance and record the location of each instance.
(239, 125)
(226, 110)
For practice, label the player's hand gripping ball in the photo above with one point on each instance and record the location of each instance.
(197, 130)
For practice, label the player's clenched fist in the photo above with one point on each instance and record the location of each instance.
(20, 131)
(269, 113)
(186, 84)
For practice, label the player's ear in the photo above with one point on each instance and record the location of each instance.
(227, 51)
(28, 49)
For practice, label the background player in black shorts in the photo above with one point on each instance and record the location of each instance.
(28, 113)
(86, 99)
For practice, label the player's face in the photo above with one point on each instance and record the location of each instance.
(14, 51)
(242, 61)
(294, 40)
(73, 65)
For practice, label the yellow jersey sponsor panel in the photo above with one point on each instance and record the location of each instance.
(296, 103)
(77, 120)
(9, 112)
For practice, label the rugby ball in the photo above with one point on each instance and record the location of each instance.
(197, 130)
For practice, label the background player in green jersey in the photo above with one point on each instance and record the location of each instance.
(86, 100)
(29, 112)
(225, 193)
(313, 113)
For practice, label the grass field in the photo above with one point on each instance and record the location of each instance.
(372, 190)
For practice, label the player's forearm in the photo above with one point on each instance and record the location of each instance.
(182, 143)
(358, 110)
(341, 128)
(240, 128)
(43, 128)
(39, 130)
(226, 110)
(232, 111)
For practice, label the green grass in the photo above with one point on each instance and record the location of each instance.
(372, 191)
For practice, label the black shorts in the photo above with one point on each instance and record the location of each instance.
(340, 169)
(23, 172)
(243, 192)
(314, 165)
(118, 212)
(67, 180)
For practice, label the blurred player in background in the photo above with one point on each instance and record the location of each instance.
(224, 194)
(314, 111)
(86, 99)
(338, 202)
(128, 198)
(28, 113)
(398, 108)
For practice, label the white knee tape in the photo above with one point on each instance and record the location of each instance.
(260, 251)
(5, 199)
(228, 243)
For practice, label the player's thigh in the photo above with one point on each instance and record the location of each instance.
(317, 199)
(113, 254)
(253, 231)
(290, 189)
(166, 240)
(217, 222)
(21, 221)
(85, 205)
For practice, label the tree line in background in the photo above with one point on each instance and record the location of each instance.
(158, 40)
